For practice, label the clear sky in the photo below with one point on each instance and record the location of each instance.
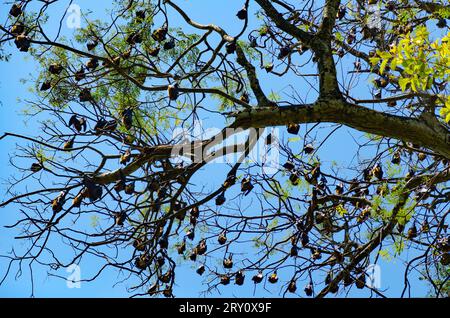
(12, 88)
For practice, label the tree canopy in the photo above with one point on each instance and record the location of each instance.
(120, 171)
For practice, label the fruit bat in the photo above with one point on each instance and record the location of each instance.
(240, 277)
(127, 118)
(134, 38)
(17, 29)
(193, 255)
(36, 167)
(258, 278)
(293, 128)
(202, 247)
(16, 10)
(228, 262)
(58, 202)
(284, 52)
(268, 68)
(139, 245)
(163, 242)
(154, 51)
(92, 64)
(308, 149)
(169, 45)
(140, 14)
(224, 279)
(195, 212)
(200, 270)
(79, 75)
(125, 157)
(242, 14)
(153, 289)
(381, 82)
(119, 186)
(339, 189)
(273, 278)
(160, 34)
(220, 199)
(91, 45)
(412, 232)
(289, 165)
(68, 145)
(167, 292)
(361, 281)
(294, 251)
(293, 178)
(230, 47)
(246, 186)
(119, 218)
(341, 12)
(45, 86)
(55, 69)
(181, 248)
(22, 42)
(377, 171)
(78, 123)
(292, 287)
(142, 262)
(396, 158)
(308, 290)
(172, 91)
(190, 234)
(442, 23)
(244, 98)
(222, 239)
(85, 95)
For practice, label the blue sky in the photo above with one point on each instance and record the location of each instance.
(11, 88)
